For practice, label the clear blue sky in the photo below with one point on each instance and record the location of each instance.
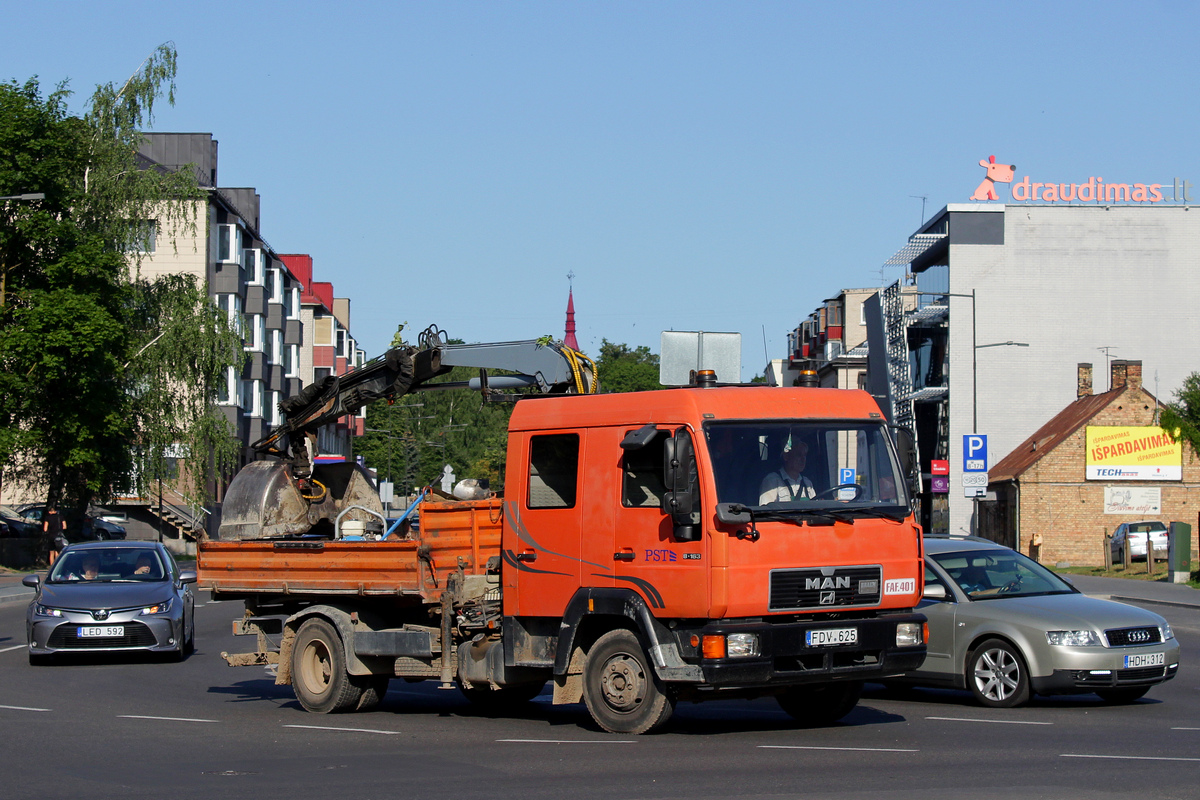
(698, 166)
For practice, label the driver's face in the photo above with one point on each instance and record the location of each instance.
(91, 568)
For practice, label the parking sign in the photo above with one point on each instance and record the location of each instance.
(975, 452)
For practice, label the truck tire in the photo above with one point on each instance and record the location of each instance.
(622, 692)
(319, 676)
(823, 704)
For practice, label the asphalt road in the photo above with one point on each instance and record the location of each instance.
(131, 728)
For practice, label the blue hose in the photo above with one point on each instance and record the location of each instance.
(407, 511)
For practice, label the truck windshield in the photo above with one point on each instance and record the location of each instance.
(805, 466)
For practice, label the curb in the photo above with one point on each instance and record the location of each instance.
(1141, 600)
(15, 598)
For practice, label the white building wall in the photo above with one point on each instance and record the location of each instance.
(1068, 280)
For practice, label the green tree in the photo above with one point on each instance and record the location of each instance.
(105, 377)
(1182, 418)
(624, 370)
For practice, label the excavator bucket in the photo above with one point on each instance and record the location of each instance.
(264, 501)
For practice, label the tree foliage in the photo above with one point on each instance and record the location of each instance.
(104, 375)
(1182, 418)
(627, 370)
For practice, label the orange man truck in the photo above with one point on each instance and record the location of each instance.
(649, 547)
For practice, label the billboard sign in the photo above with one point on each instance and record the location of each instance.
(1146, 453)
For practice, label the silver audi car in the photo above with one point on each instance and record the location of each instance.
(1006, 628)
(111, 596)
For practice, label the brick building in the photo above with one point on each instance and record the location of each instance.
(1045, 504)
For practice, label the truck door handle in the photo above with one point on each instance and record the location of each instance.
(526, 556)
(624, 555)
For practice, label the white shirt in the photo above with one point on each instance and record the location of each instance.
(779, 487)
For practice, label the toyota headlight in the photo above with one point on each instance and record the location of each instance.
(161, 608)
(1073, 638)
(45, 611)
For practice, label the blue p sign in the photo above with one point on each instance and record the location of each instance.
(975, 452)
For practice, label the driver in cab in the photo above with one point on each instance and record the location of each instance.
(788, 482)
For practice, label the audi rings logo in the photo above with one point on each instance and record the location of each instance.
(1139, 636)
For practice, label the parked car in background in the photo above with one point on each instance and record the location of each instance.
(1006, 628)
(109, 596)
(89, 527)
(14, 524)
(1138, 533)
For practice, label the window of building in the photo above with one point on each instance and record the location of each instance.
(273, 413)
(275, 356)
(553, 470)
(293, 306)
(323, 331)
(229, 244)
(143, 236)
(227, 390)
(252, 258)
(255, 333)
(252, 398)
(291, 360)
(342, 341)
(275, 285)
(231, 304)
(321, 373)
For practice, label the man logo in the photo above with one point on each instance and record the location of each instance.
(840, 582)
(827, 598)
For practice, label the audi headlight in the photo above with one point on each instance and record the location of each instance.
(1073, 638)
(1167, 633)
(46, 611)
(741, 645)
(161, 608)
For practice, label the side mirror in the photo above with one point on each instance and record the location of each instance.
(32, 581)
(187, 576)
(733, 514)
(906, 449)
(934, 591)
(682, 483)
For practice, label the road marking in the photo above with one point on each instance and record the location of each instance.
(349, 730)
(1185, 729)
(851, 749)
(570, 741)
(23, 708)
(1127, 758)
(14, 647)
(996, 721)
(165, 719)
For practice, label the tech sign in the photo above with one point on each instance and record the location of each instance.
(1093, 190)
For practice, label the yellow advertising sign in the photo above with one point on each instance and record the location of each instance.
(1132, 454)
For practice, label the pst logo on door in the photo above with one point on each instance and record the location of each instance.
(995, 172)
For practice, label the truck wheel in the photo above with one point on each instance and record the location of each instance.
(823, 704)
(374, 687)
(620, 688)
(319, 675)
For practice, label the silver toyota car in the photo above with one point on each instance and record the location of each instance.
(1005, 627)
(109, 596)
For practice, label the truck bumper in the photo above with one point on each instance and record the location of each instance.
(787, 655)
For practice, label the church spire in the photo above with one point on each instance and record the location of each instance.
(569, 338)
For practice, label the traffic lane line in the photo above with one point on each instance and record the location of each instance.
(1128, 758)
(24, 708)
(165, 719)
(14, 647)
(995, 721)
(844, 749)
(569, 741)
(347, 730)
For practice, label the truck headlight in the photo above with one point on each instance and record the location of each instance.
(908, 634)
(741, 645)
(1073, 638)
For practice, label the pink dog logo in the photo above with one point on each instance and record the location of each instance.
(995, 172)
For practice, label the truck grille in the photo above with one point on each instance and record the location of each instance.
(839, 587)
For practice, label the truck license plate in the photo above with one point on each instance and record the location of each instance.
(827, 636)
(101, 631)
(1145, 660)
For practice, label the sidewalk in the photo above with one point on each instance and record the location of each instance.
(11, 590)
(1134, 591)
